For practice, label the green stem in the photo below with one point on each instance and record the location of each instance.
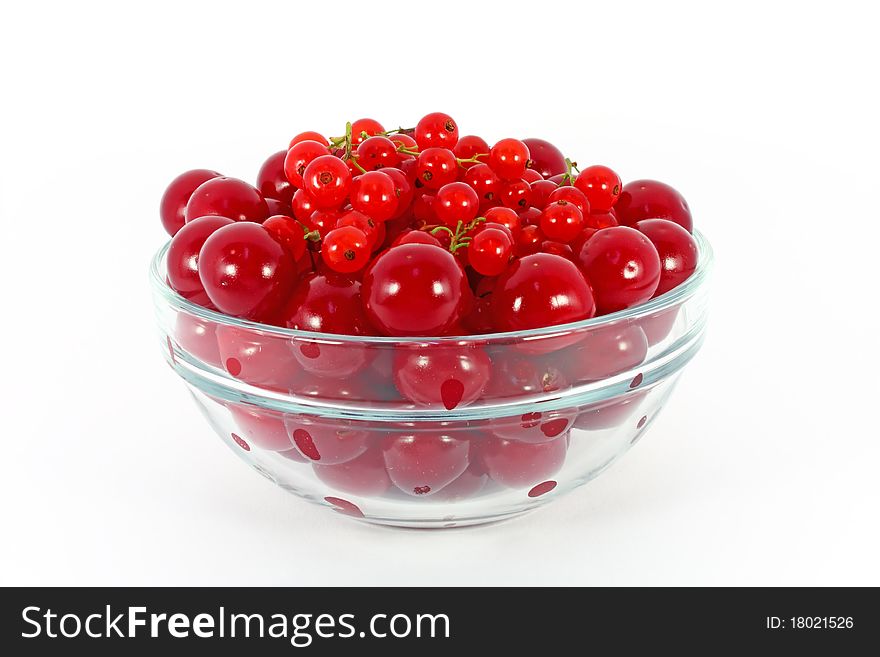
(472, 159)
(354, 161)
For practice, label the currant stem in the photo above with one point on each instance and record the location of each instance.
(347, 140)
(407, 151)
(567, 178)
(360, 168)
(313, 236)
(473, 159)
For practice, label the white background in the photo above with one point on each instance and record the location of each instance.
(763, 469)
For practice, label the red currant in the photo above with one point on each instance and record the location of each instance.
(456, 202)
(561, 221)
(227, 197)
(436, 167)
(599, 220)
(485, 183)
(529, 241)
(489, 251)
(677, 250)
(623, 268)
(422, 463)
(505, 217)
(544, 157)
(277, 207)
(346, 250)
(364, 224)
(244, 271)
(271, 180)
(403, 190)
(288, 233)
(183, 255)
(541, 191)
(404, 141)
(516, 195)
(370, 126)
(601, 186)
(301, 206)
(327, 181)
(377, 153)
(650, 199)
(508, 159)
(558, 248)
(374, 193)
(436, 130)
(298, 158)
(469, 147)
(172, 209)
(571, 195)
(414, 289)
(308, 135)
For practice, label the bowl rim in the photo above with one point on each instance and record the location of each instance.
(673, 297)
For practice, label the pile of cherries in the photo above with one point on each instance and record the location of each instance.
(422, 232)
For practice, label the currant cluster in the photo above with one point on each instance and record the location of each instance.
(422, 232)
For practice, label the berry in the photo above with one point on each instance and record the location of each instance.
(505, 217)
(364, 475)
(601, 186)
(370, 126)
(198, 337)
(650, 199)
(377, 153)
(277, 207)
(323, 221)
(508, 159)
(183, 255)
(605, 352)
(401, 140)
(677, 250)
(517, 464)
(436, 130)
(558, 248)
(436, 167)
(422, 463)
(227, 197)
(450, 376)
(346, 250)
(541, 191)
(599, 220)
(489, 251)
(362, 222)
(544, 157)
(298, 158)
(308, 135)
(262, 428)
(288, 233)
(172, 208)
(260, 359)
(516, 195)
(456, 202)
(485, 183)
(541, 290)
(272, 181)
(327, 441)
(403, 190)
(571, 195)
(301, 206)
(416, 237)
(623, 268)
(327, 181)
(414, 289)
(529, 241)
(561, 221)
(532, 176)
(244, 271)
(469, 147)
(374, 193)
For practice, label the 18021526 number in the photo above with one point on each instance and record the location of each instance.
(821, 622)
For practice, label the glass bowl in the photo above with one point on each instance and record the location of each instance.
(487, 426)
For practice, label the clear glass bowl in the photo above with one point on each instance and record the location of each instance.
(522, 418)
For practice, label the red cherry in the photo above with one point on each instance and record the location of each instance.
(422, 463)
(571, 195)
(600, 185)
(309, 135)
(289, 233)
(436, 167)
(508, 159)
(183, 255)
(244, 271)
(328, 303)
(516, 464)
(456, 202)
(370, 126)
(436, 130)
(377, 153)
(453, 376)
(276, 207)
(558, 248)
(485, 183)
(414, 289)
(327, 181)
(541, 290)
(608, 414)
(364, 475)
(544, 157)
(659, 325)
(327, 441)
(197, 337)
(604, 352)
(623, 268)
(272, 181)
(490, 251)
(468, 484)
(515, 376)
(650, 199)
(172, 209)
(299, 157)
(677, 250)
(416, 237)
(534, 427)
(260, 427)
(561, 221)
(374, 193)
(599, 220)
(469, 147)
(227, 197)
(257, 358)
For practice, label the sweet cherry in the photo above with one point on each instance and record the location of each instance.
(650, 199)
(272, 181)
(289, 233)
(422, 463)
(518, 464)
(183, 255)
(447, 375)
(172, 209)
(677, 249)
(227, 197)
(544, 157)
(327, 441)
